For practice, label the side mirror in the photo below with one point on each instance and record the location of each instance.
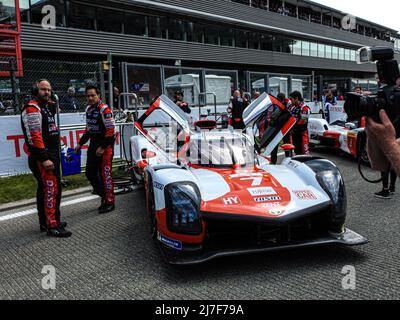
(350, 126)
(146, 154)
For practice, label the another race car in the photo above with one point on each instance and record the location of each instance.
(209, 194)
(340, 134)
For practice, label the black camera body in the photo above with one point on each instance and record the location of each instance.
(388, 95)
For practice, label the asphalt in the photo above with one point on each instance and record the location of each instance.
(112, 257)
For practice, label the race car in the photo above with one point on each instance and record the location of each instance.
(340, 134)
(209, 194)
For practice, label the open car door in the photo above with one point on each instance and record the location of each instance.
(165, 125)
(270, 119)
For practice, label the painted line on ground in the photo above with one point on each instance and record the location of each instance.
(34, 211)
(63, 204)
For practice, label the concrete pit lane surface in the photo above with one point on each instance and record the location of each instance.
(113, 257)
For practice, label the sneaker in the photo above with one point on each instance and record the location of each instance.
(392, 190)
(43, 228)
(59, 233)
(107, 208)
(384, 194)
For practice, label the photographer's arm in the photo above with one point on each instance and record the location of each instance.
(382, 145)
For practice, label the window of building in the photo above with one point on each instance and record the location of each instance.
(254, 40)
(335, 53)
(135, 24)
(195, 32)
(327, 19)
(241, 39)
(337, 23)
(157, 27)
(321, 50)
(267, 42)
(211, 35)
(304, 12)
(227, 37)
(316, 16)
(24, 9)
(353, 55)
(286, 45)
(37, 15)
(109, 20)
(305, 48)
(341, 53)
(296, 47)
(347, 54)
(314, 49)
(81, 16)
(176, 29)
(328, 52)
(291, 10)
(276, 6)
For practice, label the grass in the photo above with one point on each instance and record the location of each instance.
(23, 187)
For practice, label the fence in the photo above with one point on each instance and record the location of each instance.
(69, 80)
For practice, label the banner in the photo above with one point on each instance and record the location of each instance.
(13, 154)
(336, 112)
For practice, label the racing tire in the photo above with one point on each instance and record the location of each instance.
(151, 208)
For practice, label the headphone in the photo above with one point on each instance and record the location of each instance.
(35, 87)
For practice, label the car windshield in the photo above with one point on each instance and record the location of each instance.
(220, 149)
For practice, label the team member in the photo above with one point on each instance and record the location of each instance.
(300, 131)
(100, 130)
(38, 120)
(236, 107)
(180, 103)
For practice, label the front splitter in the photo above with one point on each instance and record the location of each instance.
(348, 238)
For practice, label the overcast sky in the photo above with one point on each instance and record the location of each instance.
(383, 12)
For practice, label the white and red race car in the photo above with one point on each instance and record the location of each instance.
(209, 194)
(341, 135)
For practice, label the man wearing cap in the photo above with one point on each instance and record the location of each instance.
(69, 102)
(180, 103)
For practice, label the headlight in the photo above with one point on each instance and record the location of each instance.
(333, 184)
(330, 182)
(183, 208)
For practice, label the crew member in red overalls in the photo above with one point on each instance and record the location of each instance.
(42, 137)
(100, 130)
(301, 112)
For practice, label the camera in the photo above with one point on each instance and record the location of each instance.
(388, 95)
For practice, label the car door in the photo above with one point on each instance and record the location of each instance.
(268, 119)
(165, 125)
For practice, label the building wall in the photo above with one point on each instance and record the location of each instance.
(239, 14)
(35, 38)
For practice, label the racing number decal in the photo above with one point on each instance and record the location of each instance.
(256, 181)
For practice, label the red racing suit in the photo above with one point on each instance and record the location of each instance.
(300, 130)
(42, 137)
(100, 130)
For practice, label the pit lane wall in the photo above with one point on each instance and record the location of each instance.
(13, 155)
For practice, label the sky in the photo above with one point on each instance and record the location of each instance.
(383, 12)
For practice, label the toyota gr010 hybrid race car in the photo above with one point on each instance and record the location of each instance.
(209, 194)
(341, 135)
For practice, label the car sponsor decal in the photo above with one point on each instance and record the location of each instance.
(177, 245)
(266, 199)
(158, 186)
(277, 211)
(262, 191)
(271, 204)
(305, 195)
(231, 201)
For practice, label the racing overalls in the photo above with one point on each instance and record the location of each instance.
(238, 105)
(300, 129)
(100, 130)
(42, 138)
